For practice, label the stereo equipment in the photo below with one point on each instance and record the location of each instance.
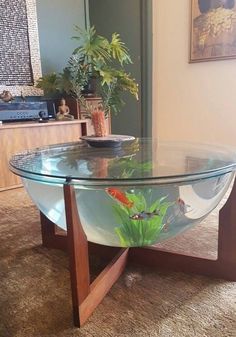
(23, 111)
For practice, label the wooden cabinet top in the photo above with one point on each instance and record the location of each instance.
(31, 124)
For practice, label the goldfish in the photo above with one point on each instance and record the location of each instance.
(120, 196)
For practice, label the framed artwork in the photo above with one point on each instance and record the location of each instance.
(20, 65)
(213, 30)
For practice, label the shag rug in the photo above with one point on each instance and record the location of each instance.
(35, 298)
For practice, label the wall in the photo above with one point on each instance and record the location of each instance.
(56, 19)
(194, 102)
(122, 17)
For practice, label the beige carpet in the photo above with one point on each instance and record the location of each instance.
(35, 289)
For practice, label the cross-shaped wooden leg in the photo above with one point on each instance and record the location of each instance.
(86, 296)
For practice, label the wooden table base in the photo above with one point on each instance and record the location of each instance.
(86, 296)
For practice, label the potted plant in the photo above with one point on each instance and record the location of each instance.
(95, 69)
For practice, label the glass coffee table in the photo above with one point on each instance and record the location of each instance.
(121, 201)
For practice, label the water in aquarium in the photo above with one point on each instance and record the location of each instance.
(133, 216)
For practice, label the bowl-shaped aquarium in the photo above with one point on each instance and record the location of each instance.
(139, 194)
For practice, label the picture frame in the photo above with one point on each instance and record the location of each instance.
(213, 30)
(9, 28)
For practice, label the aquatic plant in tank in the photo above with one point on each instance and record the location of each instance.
(142, 222)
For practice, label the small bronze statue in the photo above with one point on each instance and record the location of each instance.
(6, 96)
(63, 112)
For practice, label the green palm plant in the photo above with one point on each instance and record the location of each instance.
(49, 83)
(91, 46)
(94, 47)
(95, 59)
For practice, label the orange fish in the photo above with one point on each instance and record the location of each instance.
(120, 196)
(182, 206)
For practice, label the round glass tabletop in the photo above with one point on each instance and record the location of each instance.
(138, 194)
(139, 161)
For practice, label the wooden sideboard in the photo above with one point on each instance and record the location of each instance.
(20, 136)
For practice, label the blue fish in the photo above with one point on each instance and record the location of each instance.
(145, 215)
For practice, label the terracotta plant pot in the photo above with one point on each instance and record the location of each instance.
(99, 123)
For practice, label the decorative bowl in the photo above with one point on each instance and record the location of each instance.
(107, 141)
